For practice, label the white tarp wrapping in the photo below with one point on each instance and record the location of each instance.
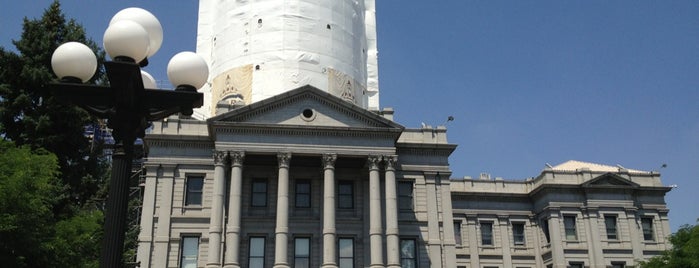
(290, 43)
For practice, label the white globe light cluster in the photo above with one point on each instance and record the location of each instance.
(133, 34)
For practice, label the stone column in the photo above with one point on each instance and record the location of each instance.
(166, 177)
(434, 241)
(281, 244)
(375, 232)
(557, 253)
(448, 223)
(593, 236)
(232, 259)
(635, 233)
(216, 219)
(473, 245)
(392, 239)
(329, 230)
(503, 222)
(145, 238)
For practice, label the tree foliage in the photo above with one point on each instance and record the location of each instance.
(29, 115)
(50, 173)
(684, 252)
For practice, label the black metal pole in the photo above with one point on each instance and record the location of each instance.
(117, 207)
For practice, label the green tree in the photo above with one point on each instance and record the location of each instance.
(684, 252)
(29, 187)
(29, 115)
(47, 222)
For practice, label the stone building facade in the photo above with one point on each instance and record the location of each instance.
(306, 179)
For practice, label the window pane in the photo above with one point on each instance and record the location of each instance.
(457, 232)
(302, 247)
(405, 195)
(189, 252)
(259, 193)
(303, 187)
(486, 233)
(257, 252)
(257, 247)
(610, 224)
(346, 247)
(647, 225)
(301, 263)
(194, 191)
(345, 187)
(518, 233)
(570, 228)
(346, 263)
(344, 201)
(407, 249)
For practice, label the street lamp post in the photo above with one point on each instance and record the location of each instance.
(128, 103)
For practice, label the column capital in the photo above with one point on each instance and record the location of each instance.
(237, 157)
(220, 157)
(284, 158)
(373, 161)
(329, 160)
(391, 161)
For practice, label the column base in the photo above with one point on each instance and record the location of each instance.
(231, 265)
(393, 266)
(377, 266)
(329, 266)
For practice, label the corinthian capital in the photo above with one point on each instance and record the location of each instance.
(329, 160)
(284, 159)
(373, 162)
(237, 158)
(220, 157)
(390, 161)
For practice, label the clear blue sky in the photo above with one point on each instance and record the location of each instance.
(529, 82)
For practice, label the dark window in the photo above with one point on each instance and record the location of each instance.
(405, 195)
(457, 232)
(618, 264)
(569, 224)
(189, 251)
(345, 194)
(346, 253)
(545, 229)
(302, 252)
(518, 233)
(193, 194)
(408, 253)
(610, 225)
(303, 194)
(257, 252)
(486, 233)
(577, 265)
(647, 225)
(259, 193)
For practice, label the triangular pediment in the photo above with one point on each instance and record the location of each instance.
(305, 107)
(610, 180)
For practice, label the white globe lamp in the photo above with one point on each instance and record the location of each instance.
(126, 39)
(74, 61)
(148, 80)
(187, 70)
(148, 21)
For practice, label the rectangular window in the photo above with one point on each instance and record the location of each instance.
(346, 253)
(345, 194)
(545, 229)
(486, 233)
(189, 251)
(577, 265)
(518, 233)
(647, 225)
(302, 252)
(405, 195)
(194, 190)
(569, 225)
(303, 194)
(259, 193)
(408, 253)
(257, 252)
(610, 225)
(618, 264)
(457, 232)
